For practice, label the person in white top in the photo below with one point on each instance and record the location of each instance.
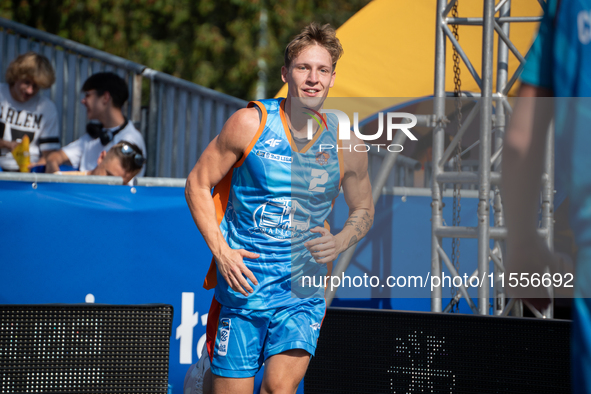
(104, 95)
(25, 112)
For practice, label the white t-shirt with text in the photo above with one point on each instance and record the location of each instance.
(37, 118)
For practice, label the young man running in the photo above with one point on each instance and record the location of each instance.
(266, 223)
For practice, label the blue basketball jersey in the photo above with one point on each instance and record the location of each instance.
(560, 59)
(270, 200)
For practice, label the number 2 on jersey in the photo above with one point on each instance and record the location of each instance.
(319, 177)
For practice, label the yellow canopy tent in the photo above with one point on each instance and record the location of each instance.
(389, 50)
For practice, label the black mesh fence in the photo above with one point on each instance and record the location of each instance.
(84, 348)
(372, 351)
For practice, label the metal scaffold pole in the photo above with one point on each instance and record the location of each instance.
(498, 133)
(438, 142)
(494, 110)
(485, 140)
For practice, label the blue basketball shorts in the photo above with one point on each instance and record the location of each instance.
(240, 340)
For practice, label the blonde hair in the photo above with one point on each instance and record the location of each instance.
(325, 36)
(31, 65)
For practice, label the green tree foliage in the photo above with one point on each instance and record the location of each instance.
(214, 43)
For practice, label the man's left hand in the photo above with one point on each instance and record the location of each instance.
(323, 248)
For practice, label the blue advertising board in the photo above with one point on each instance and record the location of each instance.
(72, 243)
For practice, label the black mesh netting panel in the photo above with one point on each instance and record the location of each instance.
(84, 348)
(369, 351)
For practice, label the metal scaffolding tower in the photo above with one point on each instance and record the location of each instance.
(494, 110)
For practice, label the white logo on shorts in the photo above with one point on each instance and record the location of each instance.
(224, 337)
(315, 326)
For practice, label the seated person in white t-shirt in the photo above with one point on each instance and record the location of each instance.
(24, 112)
(104, 95)
(124, 159)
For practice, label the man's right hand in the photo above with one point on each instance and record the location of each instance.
(54, 160)
(51, 167)
(233, 269)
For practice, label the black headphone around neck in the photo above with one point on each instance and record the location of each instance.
(95, 130)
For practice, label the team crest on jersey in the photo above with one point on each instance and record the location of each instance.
(281, 219)
(322, 157)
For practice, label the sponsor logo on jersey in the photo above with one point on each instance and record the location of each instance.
(322, 157)
(273, 142)
(230, 213)
(281, 219)
(273, 156)
(315, 326)
(224, 337)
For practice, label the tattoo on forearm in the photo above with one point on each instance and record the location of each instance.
(361, 224)
(351, 221)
